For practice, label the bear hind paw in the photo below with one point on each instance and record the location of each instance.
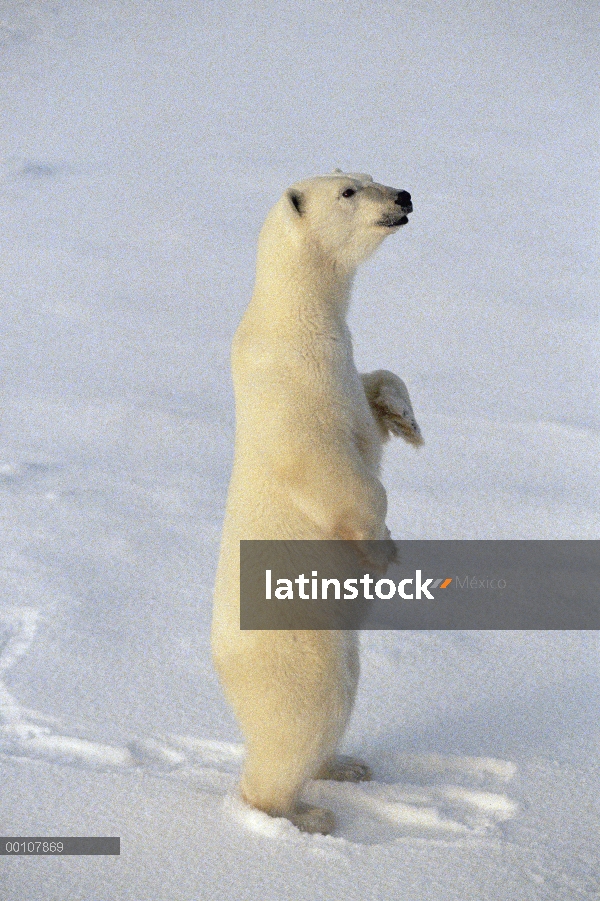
(345, 769)
(308, 818)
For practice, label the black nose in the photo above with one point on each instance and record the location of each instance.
(402, 198)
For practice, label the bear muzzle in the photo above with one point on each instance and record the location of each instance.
(391, 220)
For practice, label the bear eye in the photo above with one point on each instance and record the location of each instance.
(348, 192)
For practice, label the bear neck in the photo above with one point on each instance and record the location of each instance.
(299, 283)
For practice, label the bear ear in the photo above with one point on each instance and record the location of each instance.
(337, 172)
(297, 201)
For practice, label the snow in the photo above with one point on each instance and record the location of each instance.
(141, 146)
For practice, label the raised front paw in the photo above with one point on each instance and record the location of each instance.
(405, 426)
(390, 402)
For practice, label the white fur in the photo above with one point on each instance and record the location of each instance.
(307, 455)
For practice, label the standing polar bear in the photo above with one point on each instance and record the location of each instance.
(309, 436)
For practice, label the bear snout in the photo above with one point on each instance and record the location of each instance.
(403, 199)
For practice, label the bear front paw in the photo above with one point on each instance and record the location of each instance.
(390, 403)
(392, 406)
(404, 425)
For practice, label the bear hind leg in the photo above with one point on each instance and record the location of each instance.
(272, 783)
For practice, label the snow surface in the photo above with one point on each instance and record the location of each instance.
(141, 145)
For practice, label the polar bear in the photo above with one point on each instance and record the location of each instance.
(308, 446)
